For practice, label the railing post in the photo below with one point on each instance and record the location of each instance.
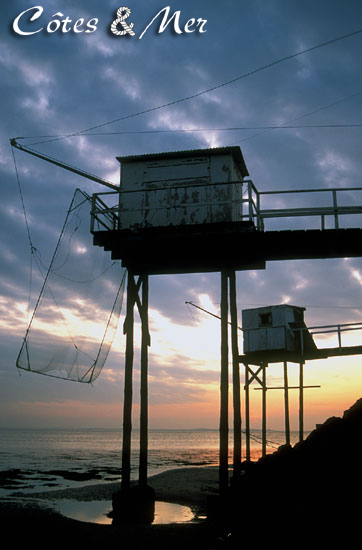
(335, 208)
(250, 200)
(260, 224)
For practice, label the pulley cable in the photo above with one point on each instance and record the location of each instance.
(208, 90)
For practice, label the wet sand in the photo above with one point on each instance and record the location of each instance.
(182, 485)
(33, 517)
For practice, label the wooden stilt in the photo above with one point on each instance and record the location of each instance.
(301, 401)
(236, 378)
(135, 503)
(128, 329)
(264, 389)
(286, 404)
(145, 342)
(247, 413)
(224, 388)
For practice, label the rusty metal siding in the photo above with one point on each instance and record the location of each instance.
(172, 172)
(263, 339)
(180, 191)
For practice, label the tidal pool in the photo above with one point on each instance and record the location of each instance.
(97, 511)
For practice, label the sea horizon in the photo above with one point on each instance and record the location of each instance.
(38, 459)
(137, 429)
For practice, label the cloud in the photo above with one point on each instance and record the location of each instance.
(338, 171)
(62, 83)
(129, 86)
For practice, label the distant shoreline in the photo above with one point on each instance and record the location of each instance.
(137, 430)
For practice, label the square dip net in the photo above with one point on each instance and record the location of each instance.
(76, 316)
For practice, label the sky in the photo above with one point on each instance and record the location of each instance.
(128, 88)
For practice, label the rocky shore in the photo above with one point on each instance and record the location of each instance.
(310, 491)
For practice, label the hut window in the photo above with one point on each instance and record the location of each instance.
(265, 319)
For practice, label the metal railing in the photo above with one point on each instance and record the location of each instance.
(297, 335)
(105, 214)
(106, 207)
(336, 329)
(335, 209)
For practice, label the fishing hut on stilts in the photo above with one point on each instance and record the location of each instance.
(178, 212)
(278, 334)
(196, 211)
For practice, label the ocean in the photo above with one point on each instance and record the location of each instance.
(43, 459)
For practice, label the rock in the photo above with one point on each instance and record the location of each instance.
(135, 505)
(354, 413)
(318, 478)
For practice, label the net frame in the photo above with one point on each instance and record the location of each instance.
(77, 357)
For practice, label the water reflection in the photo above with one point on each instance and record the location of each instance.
(166, 512)
(97, 511)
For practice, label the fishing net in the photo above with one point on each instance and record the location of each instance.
(76, 315)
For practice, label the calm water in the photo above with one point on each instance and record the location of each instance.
(31, 460)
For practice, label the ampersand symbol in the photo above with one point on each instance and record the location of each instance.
(123, 14)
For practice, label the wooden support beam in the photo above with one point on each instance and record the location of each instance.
(248, 381)
(236, 377)
(289, 387)
(247, 412)
(286, 404)
(301, 401)
(264, 389)
(224, 388)
(128, 329)
(254, 375)
(145, 342)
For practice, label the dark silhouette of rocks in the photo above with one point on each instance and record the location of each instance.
(313, 486)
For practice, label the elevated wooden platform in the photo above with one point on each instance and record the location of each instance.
(182, 249)
(214, 247)
(306, 244)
